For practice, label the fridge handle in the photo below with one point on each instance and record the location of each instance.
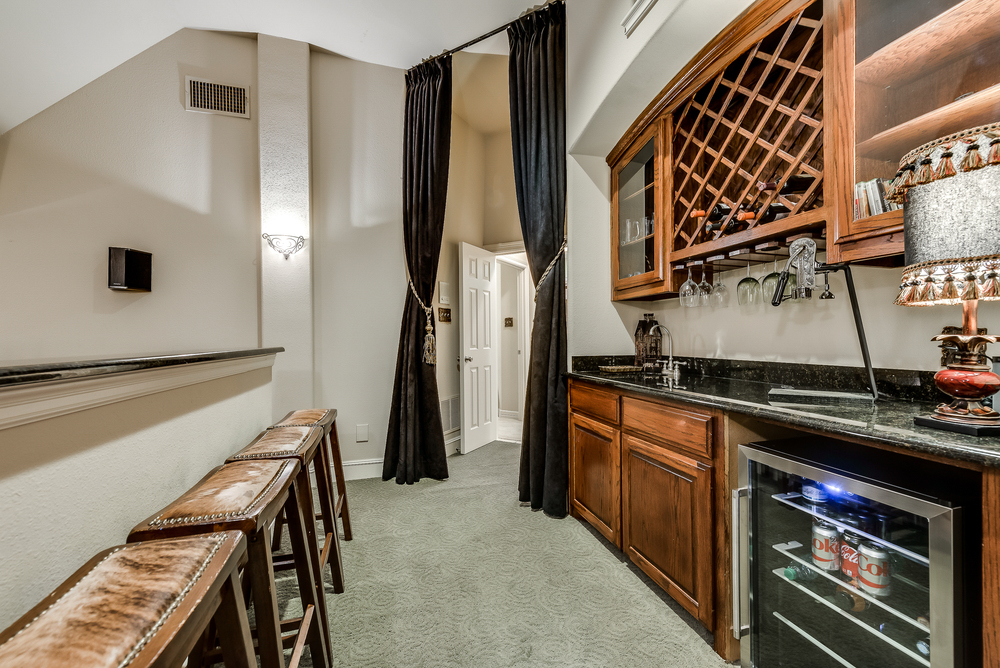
(736, 535)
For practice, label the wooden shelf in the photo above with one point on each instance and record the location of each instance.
(977, 109)
(955, 33)
(636, 241)
(638, 192)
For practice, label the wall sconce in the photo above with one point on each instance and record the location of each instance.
(286, 244)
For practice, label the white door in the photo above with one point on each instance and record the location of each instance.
(477, 285)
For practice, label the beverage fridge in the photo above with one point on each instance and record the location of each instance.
(836, 566)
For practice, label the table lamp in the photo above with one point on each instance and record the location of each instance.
(951, 191)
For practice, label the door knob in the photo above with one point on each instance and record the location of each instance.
(468, 359)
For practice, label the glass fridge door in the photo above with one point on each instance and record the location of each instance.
(842, 572)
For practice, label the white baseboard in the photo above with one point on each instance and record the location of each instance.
(453, 445)
(360, 469)
(507, 414)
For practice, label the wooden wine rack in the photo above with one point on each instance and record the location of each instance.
(760, 118)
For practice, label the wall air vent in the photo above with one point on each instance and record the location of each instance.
(451, 413)
(215, 98)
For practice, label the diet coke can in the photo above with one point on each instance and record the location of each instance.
(825, 546)
(874, 570)
(849, 544)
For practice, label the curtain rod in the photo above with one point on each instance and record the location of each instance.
(490, 33)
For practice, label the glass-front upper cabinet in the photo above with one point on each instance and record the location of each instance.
(923, 69)
(637, 248)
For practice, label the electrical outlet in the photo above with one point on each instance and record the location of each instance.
(362, 433)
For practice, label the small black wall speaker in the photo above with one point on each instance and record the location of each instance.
(129, 269)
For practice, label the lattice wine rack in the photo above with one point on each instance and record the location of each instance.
(747, 154)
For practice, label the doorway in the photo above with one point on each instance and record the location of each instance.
(514, 339)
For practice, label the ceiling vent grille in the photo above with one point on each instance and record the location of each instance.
(215, 98)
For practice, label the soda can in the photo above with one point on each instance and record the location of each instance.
(849, 544)
(826, 546)
(874, 570)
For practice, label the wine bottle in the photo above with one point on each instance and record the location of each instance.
(718, 212)
(796, 184)
(774, 211)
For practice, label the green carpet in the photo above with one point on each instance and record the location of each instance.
(457, 573)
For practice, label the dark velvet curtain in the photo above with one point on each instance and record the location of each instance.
(414, 446)
(538, 131)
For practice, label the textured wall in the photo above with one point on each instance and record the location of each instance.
(360, 283)
(286, 285)
(121, 163)
(74, 485)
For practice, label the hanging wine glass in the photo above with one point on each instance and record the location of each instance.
(704, 289)
(770, 283)
(748, 290)
(689, 292)
(720, 295)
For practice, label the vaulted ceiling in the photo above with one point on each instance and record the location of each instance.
(50, 48)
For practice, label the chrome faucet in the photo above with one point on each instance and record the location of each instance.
(671, 370)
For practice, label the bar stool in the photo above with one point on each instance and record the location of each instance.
(144, 604)
(247, 496)
(300, 444)
(327, 419)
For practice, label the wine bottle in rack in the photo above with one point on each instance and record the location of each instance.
(774, 211)
(794, 185)
(715, 216)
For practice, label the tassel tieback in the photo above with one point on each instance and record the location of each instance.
(430, 345)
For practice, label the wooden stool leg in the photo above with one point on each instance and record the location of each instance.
(234, 632)
(279, 524)
(265, 601)
(338, 470)
(329, 514)
(298, 507)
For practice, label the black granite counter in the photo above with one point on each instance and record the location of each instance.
(70, 369)
(888, 422)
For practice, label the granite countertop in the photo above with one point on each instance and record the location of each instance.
(71, 369)
(888, 421)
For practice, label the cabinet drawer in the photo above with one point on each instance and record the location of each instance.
(687, 429)
(592, 401)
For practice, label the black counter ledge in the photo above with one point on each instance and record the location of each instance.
(887, 422)
(72, 369)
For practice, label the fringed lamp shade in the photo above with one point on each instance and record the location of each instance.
(952, 223)
(951, 191)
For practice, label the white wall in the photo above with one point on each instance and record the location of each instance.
(609, 83)
(509, 337)
(74, 485)
(501, 220)
(121, 163)
(464, 220)
(359, 279)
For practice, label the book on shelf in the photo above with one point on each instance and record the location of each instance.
(869, 199)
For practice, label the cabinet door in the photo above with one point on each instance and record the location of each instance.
(637, 231)
(595, 451)
(911, 71)
(667, 522)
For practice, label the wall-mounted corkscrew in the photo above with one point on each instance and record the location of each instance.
(802, 258)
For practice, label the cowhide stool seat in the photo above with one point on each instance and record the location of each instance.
(331, 507)
(144, 604)
(247, 496)
(300, 444)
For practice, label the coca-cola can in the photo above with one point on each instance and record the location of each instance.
(874, 570)
(826, 546)
(849, 544)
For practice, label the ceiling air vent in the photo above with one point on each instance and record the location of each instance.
(216, 98)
